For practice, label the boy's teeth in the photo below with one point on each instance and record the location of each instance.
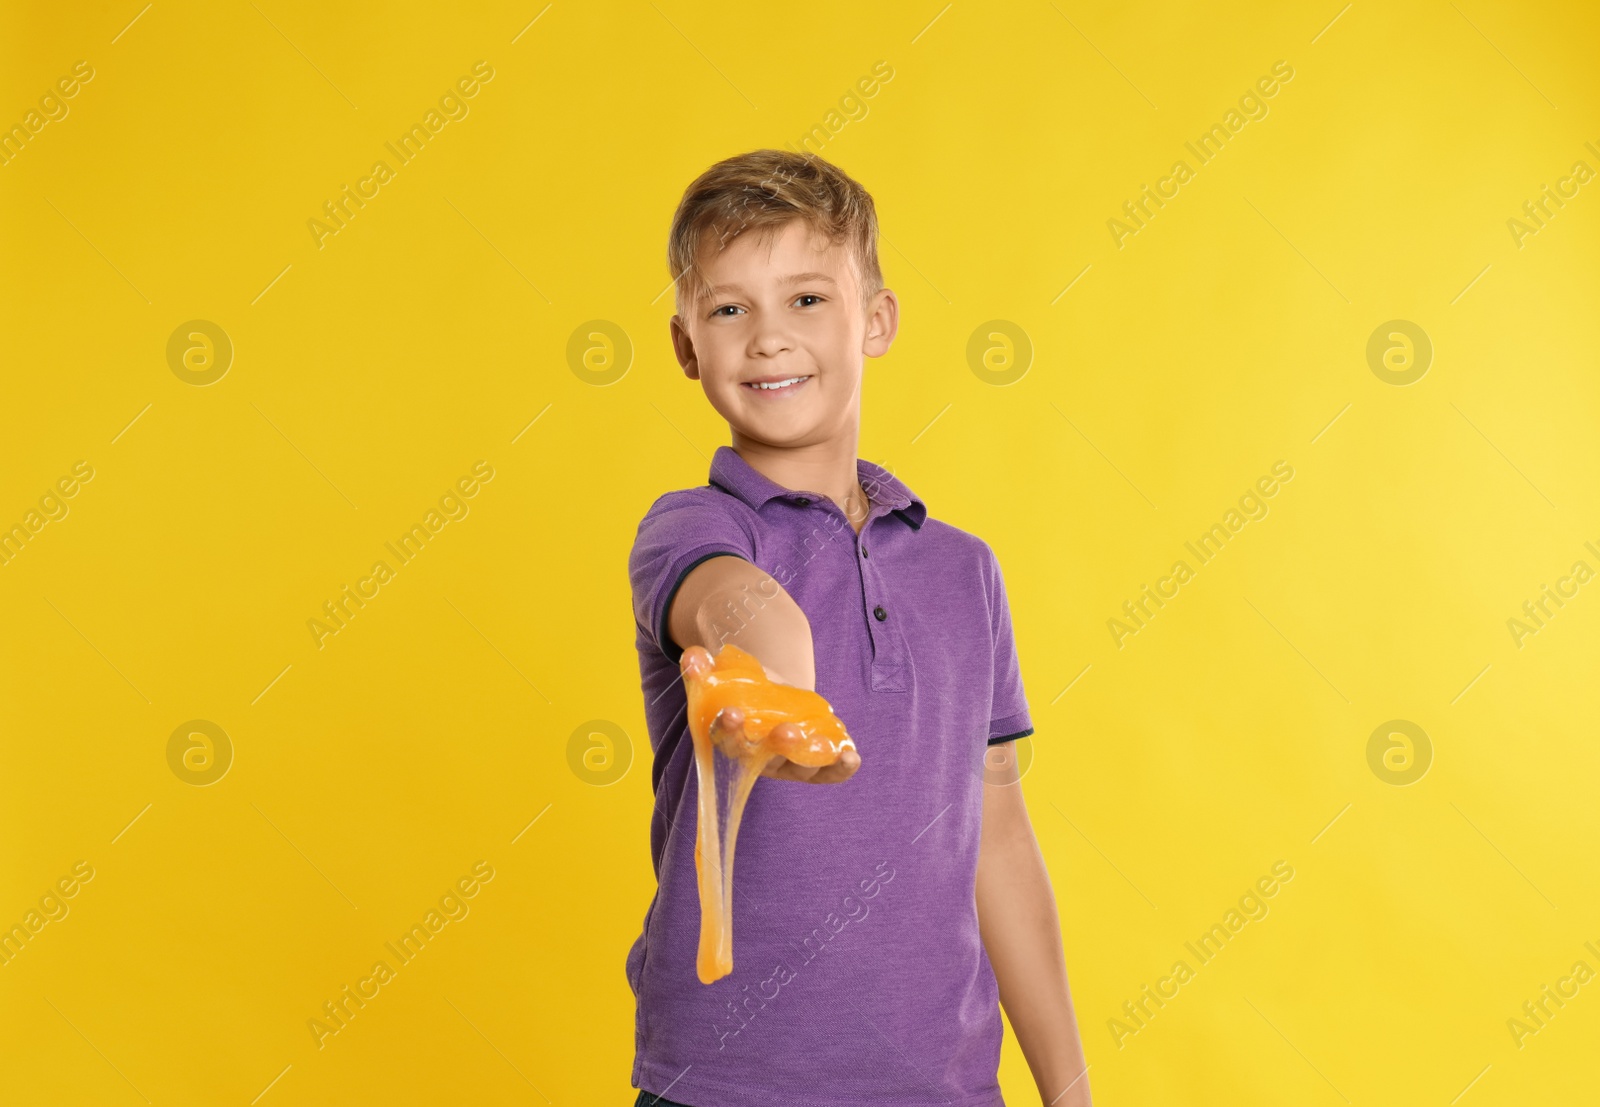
(779, 384)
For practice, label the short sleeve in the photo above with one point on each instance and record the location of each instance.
(677, 534)
(1009, 717)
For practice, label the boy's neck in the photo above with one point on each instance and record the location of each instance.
(828, 468)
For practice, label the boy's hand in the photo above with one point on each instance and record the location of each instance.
(727, 732)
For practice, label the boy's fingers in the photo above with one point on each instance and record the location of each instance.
(695, 663)
(785, 738)
(840, 771)
(727, 733)
(725, 721)
(727, 729)
(781, 768)
(849, 762)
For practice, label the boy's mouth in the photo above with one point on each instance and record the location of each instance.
(775, 384)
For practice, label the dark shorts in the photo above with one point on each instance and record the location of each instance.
(648, 1099)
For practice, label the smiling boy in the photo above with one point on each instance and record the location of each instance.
(881, 920)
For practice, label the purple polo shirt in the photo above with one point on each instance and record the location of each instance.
(858, 974)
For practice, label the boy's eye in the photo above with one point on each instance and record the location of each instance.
(726, 310)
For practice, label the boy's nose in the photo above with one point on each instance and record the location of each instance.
(771, 339)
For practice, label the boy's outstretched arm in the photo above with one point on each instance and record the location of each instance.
(727, 599)
(1022, 936)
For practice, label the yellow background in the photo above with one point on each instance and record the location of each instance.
(429, 733)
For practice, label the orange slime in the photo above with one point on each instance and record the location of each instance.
(736, 679)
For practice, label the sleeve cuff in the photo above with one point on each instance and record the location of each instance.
(1010, 728)
(1010, 737)
(669, 648)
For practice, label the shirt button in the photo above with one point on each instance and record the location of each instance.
(803, 502)
(863, 551)
(879, 613)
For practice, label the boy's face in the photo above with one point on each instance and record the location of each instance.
(780, 311)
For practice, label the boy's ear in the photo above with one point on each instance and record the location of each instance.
(683, 347)
(883, 323)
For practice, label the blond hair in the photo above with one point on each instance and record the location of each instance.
(762, 191)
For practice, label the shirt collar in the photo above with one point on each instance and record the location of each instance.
(733, 474)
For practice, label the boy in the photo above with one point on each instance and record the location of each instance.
(881, 918)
